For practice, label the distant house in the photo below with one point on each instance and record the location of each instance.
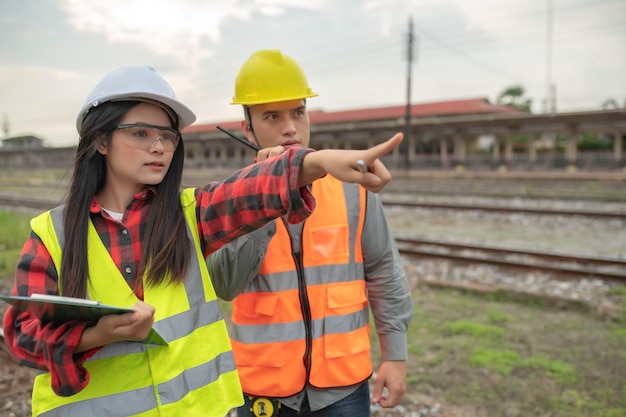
(22, 142)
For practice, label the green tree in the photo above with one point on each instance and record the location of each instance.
(611, 103)
(513, 96)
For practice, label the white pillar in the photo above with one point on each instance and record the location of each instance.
(618, 146)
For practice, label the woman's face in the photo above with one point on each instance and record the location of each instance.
(140, 151)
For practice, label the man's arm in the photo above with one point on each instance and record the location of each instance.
(233, 266)
(387, 285)
(390, 300)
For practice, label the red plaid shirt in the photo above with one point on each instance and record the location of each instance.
(225, 210)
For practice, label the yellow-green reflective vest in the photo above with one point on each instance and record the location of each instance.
(194, 375)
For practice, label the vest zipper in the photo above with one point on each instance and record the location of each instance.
(305, 306)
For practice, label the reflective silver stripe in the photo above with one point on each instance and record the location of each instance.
(268, 333)
(315, 275)
(171, 328)
(289, 332)
(117, 349)
(197, 377)
(184, 323)
(194, 287)
(353, 202)
(57, 220)
(134, 402)
(142, 400)
(345, 323)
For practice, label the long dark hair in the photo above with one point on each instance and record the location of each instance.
(165, 245)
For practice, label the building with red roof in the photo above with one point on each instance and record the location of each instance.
(472, 106)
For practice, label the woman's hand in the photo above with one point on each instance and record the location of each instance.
(113, 328)
(130, 326)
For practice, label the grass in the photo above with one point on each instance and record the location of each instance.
(14, 229)
(503, 357)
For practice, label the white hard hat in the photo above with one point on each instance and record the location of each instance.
(128, 83)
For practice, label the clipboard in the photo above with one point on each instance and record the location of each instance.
(58, 309)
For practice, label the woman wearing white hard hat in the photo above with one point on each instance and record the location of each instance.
(129, 237)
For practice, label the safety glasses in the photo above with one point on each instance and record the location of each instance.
(145, 136)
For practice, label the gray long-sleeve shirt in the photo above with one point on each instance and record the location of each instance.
(234, 265)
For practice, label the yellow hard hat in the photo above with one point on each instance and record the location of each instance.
(269, 76)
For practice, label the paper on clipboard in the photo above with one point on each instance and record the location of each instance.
(59, 309)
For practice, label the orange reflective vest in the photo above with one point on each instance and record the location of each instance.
(305, 318)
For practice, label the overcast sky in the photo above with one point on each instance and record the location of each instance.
(52, 52)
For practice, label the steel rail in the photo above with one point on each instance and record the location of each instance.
(412, 247)
(552, 212)
(29, 202)
(397, 189)
(47, 203)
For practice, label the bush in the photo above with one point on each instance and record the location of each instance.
(588, 141)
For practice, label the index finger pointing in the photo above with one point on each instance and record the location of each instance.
(384, 148)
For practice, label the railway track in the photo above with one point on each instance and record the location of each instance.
(388, 201)
(543, 189)
(544, 195)
(48, 203)
(27, 202)
(560, 264)
(605, 268)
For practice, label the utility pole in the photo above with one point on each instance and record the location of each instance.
(5, 125)
(550, 102)
(407, 115)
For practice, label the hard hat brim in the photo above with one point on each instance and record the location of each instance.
(254, 101)
(186, 116)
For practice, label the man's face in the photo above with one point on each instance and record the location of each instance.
(283, 123)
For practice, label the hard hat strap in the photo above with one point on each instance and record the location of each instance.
(246, 111)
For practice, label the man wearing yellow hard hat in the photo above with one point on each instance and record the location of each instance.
(303, 292)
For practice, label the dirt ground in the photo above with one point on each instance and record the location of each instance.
(584, 376)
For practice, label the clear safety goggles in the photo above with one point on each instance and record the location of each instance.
(145, 136)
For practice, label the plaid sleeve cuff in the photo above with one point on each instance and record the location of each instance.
(70, 375)
(301, 201)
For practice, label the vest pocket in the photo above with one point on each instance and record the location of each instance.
(258, 355)
(329, 244)
(346, 296)
(258, 306)
(254, 315)
(346, 323)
